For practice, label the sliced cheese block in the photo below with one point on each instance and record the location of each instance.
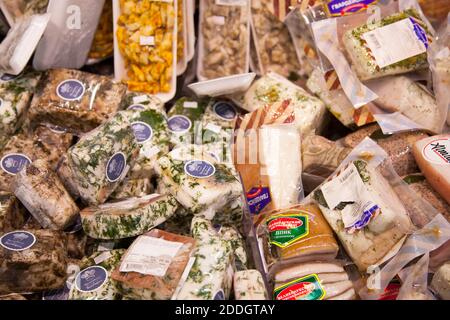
(127, 218)
(249, 285)
(433, 157)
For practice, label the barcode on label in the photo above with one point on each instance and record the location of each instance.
(375, 41)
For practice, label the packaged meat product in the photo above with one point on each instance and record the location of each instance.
(127, 218)
(16, 9)
(273, 89)
(21, 41)
(12, 215)
(151, 132)
(43, 194)
(362, 207)
(313, 281)
(17, 153)
(198, 182)
(103, 44)
(401, 94)
(99, 162)
(275, 50)
(184, 120)
(141, 101)
(433, 157)
(224, 40)
(33, 260)
(152, 267)
(321, 156)
(94, 281)
(211, 276)
(259, 154)
(420, 185)
(441, 282)
(293, 235)
(131, 188)
(372, 61)
(398, 146)
(15, 95)
(75, 100)
(62, 294)
(238, 245)
(249, 285)
(68, 37)
(145, 46)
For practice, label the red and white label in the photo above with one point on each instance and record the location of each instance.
(438, 151)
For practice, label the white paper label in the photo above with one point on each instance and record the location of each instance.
(140, 99)
(105, 246)
(147, 41)
(213, 128)
(151, 256)
(394, 43)
(102, 257)
(349, 188)
(150, 152)
(190, 104)
(218, 20)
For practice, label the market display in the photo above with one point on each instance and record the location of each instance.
(225, 150)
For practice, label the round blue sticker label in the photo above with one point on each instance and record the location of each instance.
(220, 295)
(179, 124)
(225, 110)
(115, 167)
(136, 107)
(9, 77)
(199, 168)
(91, 279)
(18, 240)
(142, 131)
(13, 163)
(70, 90)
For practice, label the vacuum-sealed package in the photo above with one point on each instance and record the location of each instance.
(99, 162)
(294, 235)
(260, 151)
(43, 194)
(278, 92)
(275, 50)
(127, 218)
(145, 46)
(153, 266)
(315, 280)
(94, 281)
(197, 180)
(151, 133)
(103, 44)
(12, 215)
(131, 188)
(441, 281)
(249, 285)
(69, 34)
(15, 95)
(33, 260)
(16, 9)
(141, 101)
(75, 100)
(21, 41)
(224, 40)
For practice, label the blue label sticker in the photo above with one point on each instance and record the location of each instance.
(115, 167)
(75, 227)
(258, 199)
(18, 240)
(225, 110)
(70, 90)
(420, 32)
(220, 295)
(136, 107)
(9, 77)
(199, 168)
(58, 294)
(13, 163)
(365, 217)
(344, 7)
(91, 279)
(142, 131)
(179, 124)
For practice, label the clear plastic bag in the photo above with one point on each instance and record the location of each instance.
(415, 283)
(68, 37)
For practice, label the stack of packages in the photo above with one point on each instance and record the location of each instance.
(311, 160)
